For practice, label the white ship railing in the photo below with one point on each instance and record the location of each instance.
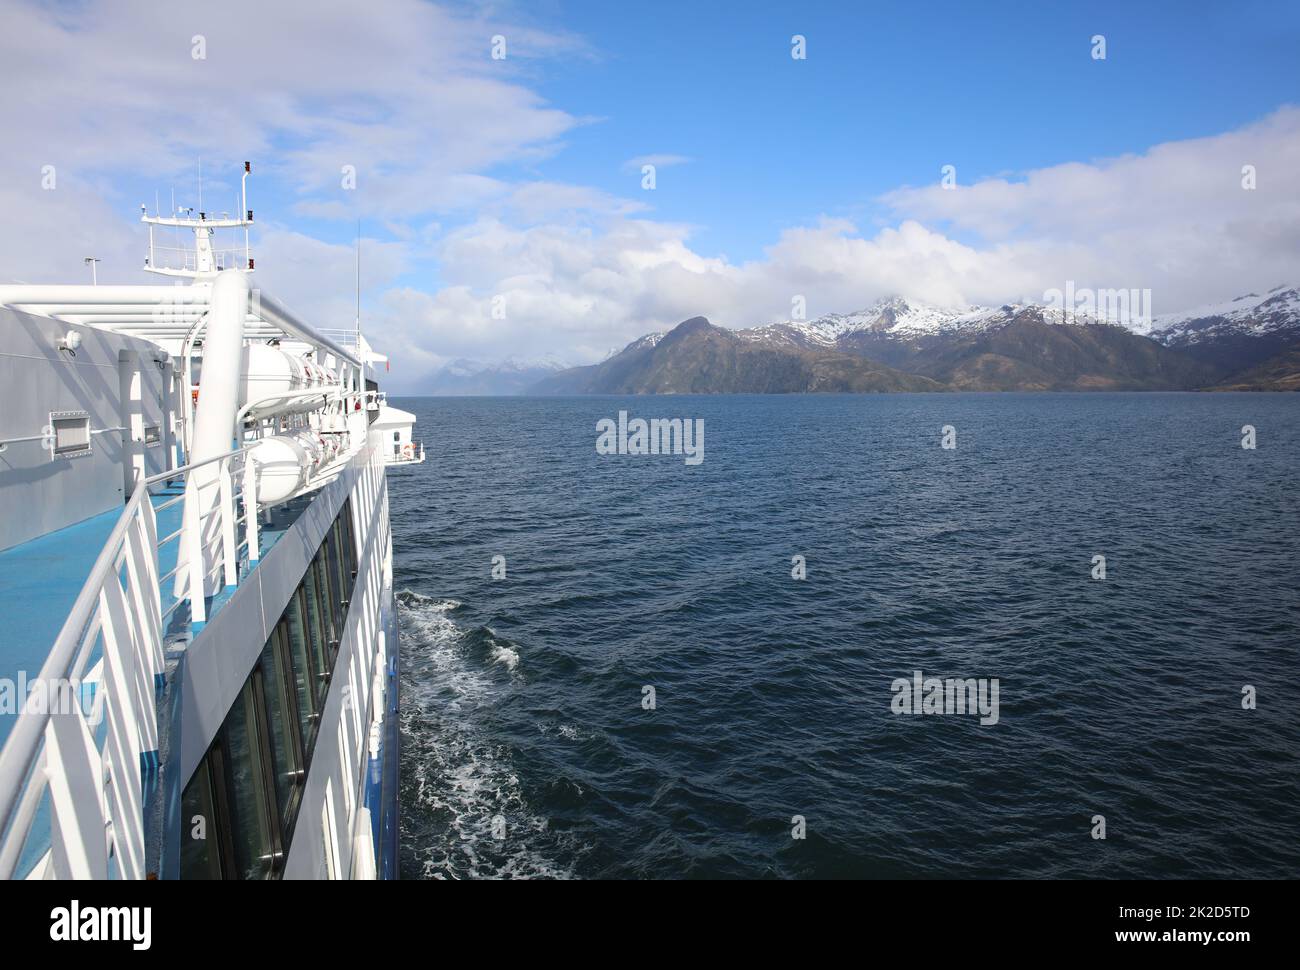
(95, 787)
(412, 454)
(344, 338)
(186, 259)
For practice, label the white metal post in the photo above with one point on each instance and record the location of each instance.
(192, 551)
(250, 508)
(227, 512)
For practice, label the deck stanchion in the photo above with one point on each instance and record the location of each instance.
(250, 508)
(226, 510)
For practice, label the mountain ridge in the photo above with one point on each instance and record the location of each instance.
(696, 357)
(898, 345)
(466, 377)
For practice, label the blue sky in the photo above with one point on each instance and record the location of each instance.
(890, 92)
(484, 182)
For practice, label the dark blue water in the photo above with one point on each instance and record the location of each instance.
(522, 697)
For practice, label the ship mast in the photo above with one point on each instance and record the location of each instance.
(204, 262)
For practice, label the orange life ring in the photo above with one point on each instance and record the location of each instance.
(408, 451)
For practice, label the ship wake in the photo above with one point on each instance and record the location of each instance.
(465, 813)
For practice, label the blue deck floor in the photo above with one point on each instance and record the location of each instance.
(40, 580)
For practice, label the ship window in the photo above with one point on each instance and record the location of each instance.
(316, 618)
(349, 546)
(200, 828)
(71, 433)
(282, 737)
(250, 793)
(301, 664)
(302, 643)
(329, 601)
(346, 564)
(341, 555)
(329, 570)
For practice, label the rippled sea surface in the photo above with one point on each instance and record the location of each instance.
(527, 749)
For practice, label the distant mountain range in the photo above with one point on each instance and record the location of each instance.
(470, 377)
(1250, 343)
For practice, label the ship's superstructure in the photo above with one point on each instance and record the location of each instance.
(198, 670)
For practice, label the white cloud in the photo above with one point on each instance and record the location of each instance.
(1174, 219)
(403, 90)
(578, 292)
(292, 266)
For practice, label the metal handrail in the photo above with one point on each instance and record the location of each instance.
(186, 469)
(20, 751)
(57, 665)
(20, 789)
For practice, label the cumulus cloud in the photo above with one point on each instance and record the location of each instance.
(292, 264)
(1175, 219)
(403, 91)
(580, 292)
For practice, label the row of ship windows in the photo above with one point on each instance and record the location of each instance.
(240, 807)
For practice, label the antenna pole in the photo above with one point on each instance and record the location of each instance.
(358, 321)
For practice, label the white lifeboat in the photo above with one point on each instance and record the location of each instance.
(273, 381)
(285, 463)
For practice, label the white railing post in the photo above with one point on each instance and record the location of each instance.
(77, 811)
(129, 704)
(250, 508)
(143, 621)
(192, 551)
(226, 511)
(142, 583)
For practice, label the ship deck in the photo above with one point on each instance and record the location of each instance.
(40, 580)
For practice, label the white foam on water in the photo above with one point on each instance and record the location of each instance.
(504, 655)
(430, 641)
(463, 779)
(569, 732)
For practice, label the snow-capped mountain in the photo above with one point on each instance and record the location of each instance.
(649, 341)
(1253, 341)
(895, 344)
(895, 317)
(891, 315)
(1250, 314)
